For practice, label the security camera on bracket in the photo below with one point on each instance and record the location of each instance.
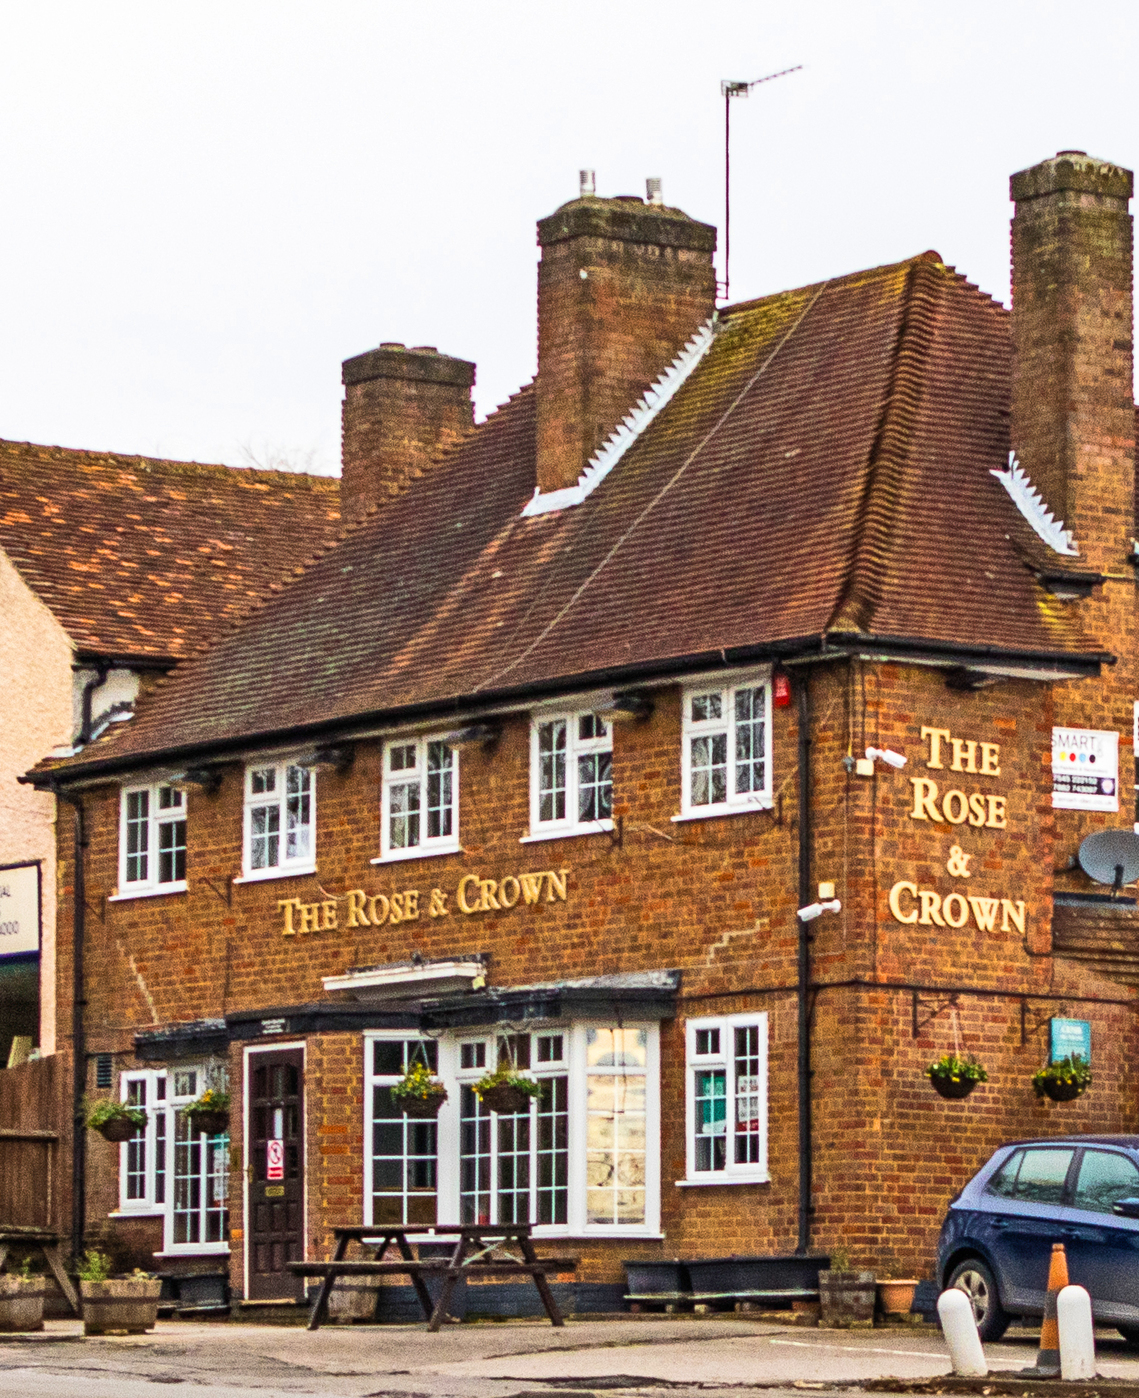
(864, 766)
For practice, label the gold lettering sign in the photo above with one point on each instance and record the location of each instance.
(956, 807)
(910, 904)
(474, 894)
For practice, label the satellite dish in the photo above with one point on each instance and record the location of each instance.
(1111, 856)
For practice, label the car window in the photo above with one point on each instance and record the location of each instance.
(1105, 1176)
(1036, 1176)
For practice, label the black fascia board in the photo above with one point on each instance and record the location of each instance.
(470, 707)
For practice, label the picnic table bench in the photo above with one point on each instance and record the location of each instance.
(477, 1250)
(47, 1240)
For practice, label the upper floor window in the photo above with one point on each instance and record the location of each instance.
(571, 774)
(280, 818)
(420, 798)
(727, 748)
(727, 1098)
(152, 839)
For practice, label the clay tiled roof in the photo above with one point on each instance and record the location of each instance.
(144, 558)
(823, 473)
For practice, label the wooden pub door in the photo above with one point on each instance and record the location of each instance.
(275, 1153)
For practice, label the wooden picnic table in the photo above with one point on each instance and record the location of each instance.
(13, 1235)
(477, 1250)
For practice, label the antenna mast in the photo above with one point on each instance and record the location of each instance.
(728, 90)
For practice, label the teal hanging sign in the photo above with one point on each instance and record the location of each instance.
(1069, 1037)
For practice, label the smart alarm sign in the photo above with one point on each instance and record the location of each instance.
(1085, 770)
(19, 909)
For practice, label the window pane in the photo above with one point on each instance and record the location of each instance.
(748, 1123)
(710, 770)
(401, 757)
(138, 836)
(513, 1167)
(172, 851)
(706, 706)
(263, 780)
(404, 1161)
(711, 1119)
(615, 1126)
(595, 786)
(473, 1055)
(750, 716)
(298, 813)
(403, 823)
(552, 770)
(171, 799)
(1042, 1175)
(553, 1149)
(265, 837)
(440, 780)
(474, 1158)
(707, 1041)
(136, 1146)
(1104, 1178)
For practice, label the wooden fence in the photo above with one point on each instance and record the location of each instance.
(35, 1105)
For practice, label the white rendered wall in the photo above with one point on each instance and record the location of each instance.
(35, 716)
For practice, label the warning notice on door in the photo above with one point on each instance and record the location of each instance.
(275, 1161)
(1085, 770)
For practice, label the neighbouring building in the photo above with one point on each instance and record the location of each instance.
(543, 760)
(112, 569)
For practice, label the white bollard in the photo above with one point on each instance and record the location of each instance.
(1077, 1334)
(959, 1325)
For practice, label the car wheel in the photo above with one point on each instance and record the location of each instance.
(1131, 1334)
(974, 1278)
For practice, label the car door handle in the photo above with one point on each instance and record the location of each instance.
(999, 1225)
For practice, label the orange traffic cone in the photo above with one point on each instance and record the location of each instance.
(1048, 1356)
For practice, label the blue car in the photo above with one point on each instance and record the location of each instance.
(1082, 1191)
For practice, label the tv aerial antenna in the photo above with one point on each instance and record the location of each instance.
(1112, 857)
(728, 90)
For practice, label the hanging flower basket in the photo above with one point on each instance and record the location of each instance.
(955, 1077)
(209, 1114)
(115, 1121)
(506, 1091)
(418, 1093)
(1064, 1080)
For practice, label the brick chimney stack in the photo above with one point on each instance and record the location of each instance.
(401, 408)
(1073, 414)
(621, 287)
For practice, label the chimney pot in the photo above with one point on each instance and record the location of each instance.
(653, 191)
(588, 184)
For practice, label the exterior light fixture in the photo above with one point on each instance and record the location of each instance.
(627, 706)
(338, 756)
(886, 755)
(476, 735)
(206, 779)
(814, 910)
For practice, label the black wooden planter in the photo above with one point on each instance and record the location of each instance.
(783, 1272)
(1063, 1091)
(650, 1276)
(210, 1123)
(117, 1129)
(425, 1108)
(506, 1100)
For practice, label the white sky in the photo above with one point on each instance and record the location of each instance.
(205, 207)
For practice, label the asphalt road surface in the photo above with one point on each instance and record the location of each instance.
(714, 1357)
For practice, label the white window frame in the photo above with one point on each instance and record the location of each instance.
(156, 820)
(285, 867)
(574, 1066)
(750, 1172)
(372, 1080)
(417, 774)
(693, 729)
(166, 1110)
(576, 746)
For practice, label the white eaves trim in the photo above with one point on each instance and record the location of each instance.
(628, 429)
(1028, 501)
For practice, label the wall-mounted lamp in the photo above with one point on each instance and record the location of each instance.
(476, 735)
(337, 756)
(814, 910)
(206, 779)
(627, 706)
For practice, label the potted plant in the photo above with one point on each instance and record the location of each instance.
(418, 1093)
(1064, 1080)
(955, 1077)
(846, 1297)
(209, 1113)
(896, 1295)
(21, 1300)
(506, 1090)
(115, 1121)
(116, 1305)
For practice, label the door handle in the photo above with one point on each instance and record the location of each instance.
(999, 1225)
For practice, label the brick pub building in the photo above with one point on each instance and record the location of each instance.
(544, 756)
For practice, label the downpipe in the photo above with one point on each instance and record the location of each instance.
(806, 1164)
